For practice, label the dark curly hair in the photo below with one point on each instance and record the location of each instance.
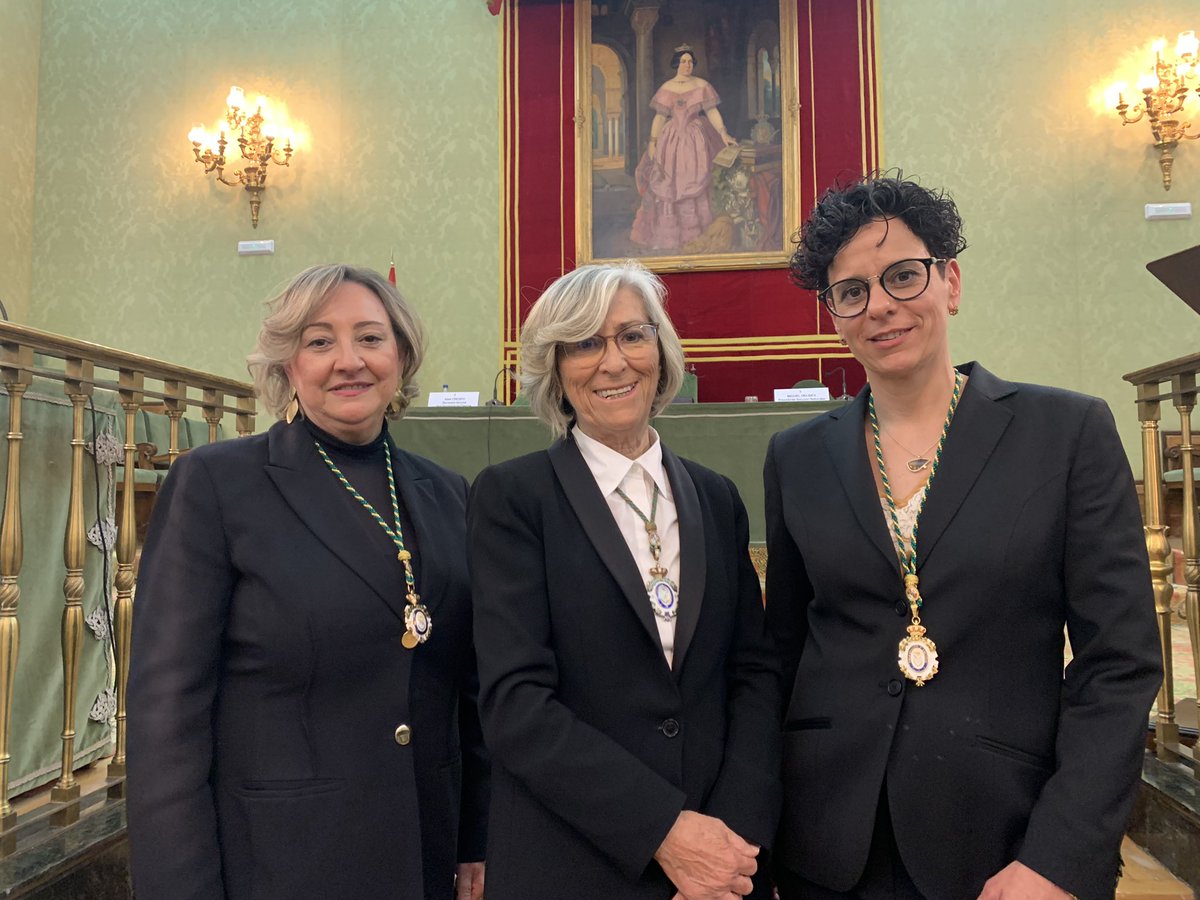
(844, 209)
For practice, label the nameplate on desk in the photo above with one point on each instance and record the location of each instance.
(802, 395)
(454, 398)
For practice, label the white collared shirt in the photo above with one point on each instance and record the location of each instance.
(636, 478)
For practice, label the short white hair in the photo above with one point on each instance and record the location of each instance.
(574, 307)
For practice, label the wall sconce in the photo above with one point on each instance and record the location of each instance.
(256, 139)
(1164, 93)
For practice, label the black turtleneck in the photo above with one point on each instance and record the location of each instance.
(365, 467)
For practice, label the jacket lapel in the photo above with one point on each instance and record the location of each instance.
(416, 493)
(979, 422)
(318, 498)
(847, 447)
(693, 565)
(601, 529)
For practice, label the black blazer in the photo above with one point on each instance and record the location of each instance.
(1031, 524)
(268, 681)
(597, 745)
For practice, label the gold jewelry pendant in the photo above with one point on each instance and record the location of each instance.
(918, 657)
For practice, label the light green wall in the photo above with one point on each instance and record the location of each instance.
(20, 35)
(992, 101)
(135, 248)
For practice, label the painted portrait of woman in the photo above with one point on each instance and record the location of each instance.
(684, 158)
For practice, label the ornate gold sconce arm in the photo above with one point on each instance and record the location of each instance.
(256, 141)
(1164, 94)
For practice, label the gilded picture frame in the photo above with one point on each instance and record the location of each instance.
(684, 204)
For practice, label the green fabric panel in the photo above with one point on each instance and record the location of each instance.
(1175, 476)
(36, 745)
(730, 438)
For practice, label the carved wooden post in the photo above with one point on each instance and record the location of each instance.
(212, 411)
(1166, 730)
(15, 364)
(78, 387)
(130, 391)
(245, 416)
(1184, 390)
(175, 403)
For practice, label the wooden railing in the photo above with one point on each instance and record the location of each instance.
(1173, 382)
(84, 369)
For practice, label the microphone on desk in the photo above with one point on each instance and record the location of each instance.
(844, 395)
(495, 401)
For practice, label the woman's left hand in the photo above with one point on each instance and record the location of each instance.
(1019, 881)
(468, 881)
(729, 141)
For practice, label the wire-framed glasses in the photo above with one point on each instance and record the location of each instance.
(902, 280)
(633, 341)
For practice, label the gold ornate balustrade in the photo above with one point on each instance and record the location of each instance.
(1174, 383)
(131, 382)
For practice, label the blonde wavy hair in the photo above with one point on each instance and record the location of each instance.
(290, 311)
(573, 308)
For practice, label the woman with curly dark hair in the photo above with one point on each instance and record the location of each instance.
(929, 545)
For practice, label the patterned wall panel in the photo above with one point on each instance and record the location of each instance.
(20, 36)
(134, 248)
(1000, 103)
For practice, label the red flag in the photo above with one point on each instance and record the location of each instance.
(392, 271)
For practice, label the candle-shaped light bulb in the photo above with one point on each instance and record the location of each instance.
(1188, 45)
(260, 103)
(236, 98)
(197, 135)
(270, 131)
(1147, 82)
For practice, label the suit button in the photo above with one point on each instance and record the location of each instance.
(669, 728)
(403, 735)
(895, 687)
(901, 608)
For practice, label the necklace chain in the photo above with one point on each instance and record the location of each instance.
(906, 550)
(395, 533)
(921, 459)
(651, 528)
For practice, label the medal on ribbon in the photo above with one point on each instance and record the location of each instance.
(917, 654)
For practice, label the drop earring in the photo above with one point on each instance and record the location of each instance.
(293, 409)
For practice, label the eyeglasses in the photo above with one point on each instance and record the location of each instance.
(903, 280)
(633, 341)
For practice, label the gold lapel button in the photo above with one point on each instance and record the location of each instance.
(403, 735)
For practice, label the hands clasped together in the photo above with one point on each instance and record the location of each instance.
(705, 860)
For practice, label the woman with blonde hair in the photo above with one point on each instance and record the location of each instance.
(302, 716)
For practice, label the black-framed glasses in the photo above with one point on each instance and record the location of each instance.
(632, 340)
(902, 280)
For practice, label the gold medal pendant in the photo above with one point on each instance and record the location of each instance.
(418, 625)
(918, 656)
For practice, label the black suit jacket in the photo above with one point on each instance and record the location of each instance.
(1030, 525)
(268, 680)
(597, 744)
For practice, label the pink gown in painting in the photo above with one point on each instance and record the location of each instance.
(674, 186)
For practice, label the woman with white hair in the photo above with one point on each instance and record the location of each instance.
(302, 716)
(628, 692)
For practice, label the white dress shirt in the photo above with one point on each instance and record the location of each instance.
(636, 477)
